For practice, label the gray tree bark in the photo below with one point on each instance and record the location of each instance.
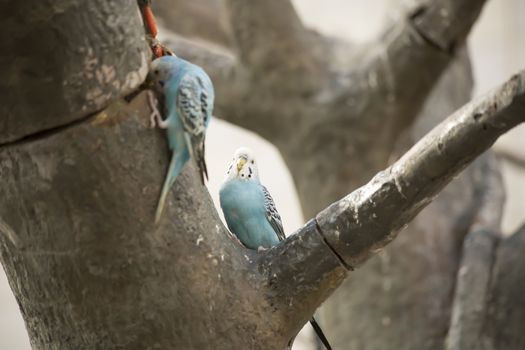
(81, 174)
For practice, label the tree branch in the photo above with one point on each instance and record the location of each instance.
(446, 23)
(416, 50)
(367, 219)
(477, 262)
(306, 265)
(272, 41)
(505, 305)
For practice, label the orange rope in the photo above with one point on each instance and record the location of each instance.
(149, 20)
(151, 29)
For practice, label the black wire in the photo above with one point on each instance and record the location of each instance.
(320, 333)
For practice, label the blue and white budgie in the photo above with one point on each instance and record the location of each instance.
(250, 212)
(188, 97)
(248, 208)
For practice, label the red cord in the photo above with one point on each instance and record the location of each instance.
(151, 27)
(150, 20)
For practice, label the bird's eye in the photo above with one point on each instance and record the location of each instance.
(156, 72)
(249, 176)
(242, 175)
(253, 162)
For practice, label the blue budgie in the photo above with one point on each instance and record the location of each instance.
(250, 212)
(248, 208)
(188, 97)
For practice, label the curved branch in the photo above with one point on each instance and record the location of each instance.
(367, 219)
(506, 300)
(272, 41)
(446, 23)
(410, 58)
(477, 262)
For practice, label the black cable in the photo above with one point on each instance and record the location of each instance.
(320, 333)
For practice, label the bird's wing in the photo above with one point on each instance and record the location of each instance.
(194, 103)
(273, 215)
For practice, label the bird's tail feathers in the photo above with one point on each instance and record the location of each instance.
(201, 161)
(320, 333)
(195, 146)
(175, 167)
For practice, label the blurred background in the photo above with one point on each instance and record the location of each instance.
(497, 50)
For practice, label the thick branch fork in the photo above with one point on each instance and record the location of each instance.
(351, 230)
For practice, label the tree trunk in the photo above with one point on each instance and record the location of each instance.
(81, 176)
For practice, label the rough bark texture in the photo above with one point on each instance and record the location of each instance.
(77, 202)
(506, 302)
(475, 269)
(79, 54)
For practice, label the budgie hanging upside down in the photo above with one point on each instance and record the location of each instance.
(250, 212)
(188, 97)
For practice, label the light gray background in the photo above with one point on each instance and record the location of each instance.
(497, 47)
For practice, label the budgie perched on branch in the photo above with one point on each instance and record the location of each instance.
(250, 212)
(248, 208)
(188, 97)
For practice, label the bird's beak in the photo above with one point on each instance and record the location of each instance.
(240, 164)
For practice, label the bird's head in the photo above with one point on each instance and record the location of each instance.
(243, 166)
(161, 70)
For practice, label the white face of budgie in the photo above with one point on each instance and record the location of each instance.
(243, 167)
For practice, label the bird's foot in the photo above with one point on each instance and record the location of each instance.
(155, 116)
